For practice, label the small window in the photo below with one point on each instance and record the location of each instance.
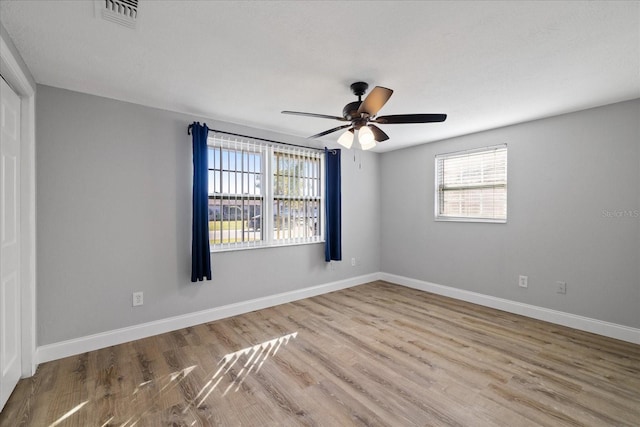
(472, 185)
(263, 195)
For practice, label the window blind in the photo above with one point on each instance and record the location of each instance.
(297, 195)
(236, 199)
(472, 185)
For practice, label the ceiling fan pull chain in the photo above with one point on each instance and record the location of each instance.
(359, 162)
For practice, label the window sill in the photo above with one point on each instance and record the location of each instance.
(465, 219)
(262, 246)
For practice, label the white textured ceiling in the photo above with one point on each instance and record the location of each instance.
(485, 64)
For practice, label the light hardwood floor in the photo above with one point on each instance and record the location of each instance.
(376, 354)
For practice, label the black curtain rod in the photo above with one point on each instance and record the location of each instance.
(260, 139)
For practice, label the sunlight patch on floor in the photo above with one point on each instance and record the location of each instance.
(256, 356)
(68, 414)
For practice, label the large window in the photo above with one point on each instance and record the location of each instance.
(472, 185)
(263, 195)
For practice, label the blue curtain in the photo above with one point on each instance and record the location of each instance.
(200, 256)
(333, 207)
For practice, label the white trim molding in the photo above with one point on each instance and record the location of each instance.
(611, 330)
(72, 347)
(80, 345)
(18, 76)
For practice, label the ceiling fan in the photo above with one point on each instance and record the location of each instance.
(363, 118)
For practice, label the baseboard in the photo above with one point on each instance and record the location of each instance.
(611, 330)
(75, 346)
(72, 347)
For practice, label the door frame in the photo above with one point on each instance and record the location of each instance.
(16, 73)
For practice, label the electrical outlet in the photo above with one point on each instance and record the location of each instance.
(353, 262)
(138, 299)
(561, 287)
(523, 281)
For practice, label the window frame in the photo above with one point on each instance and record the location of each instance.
(438, 216)
(268, 152)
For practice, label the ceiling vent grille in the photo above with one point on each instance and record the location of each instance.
(123, 12)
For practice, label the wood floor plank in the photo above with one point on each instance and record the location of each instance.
(373, 355)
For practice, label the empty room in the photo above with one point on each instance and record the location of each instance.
(319, 213)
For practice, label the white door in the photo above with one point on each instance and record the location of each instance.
(10, 368)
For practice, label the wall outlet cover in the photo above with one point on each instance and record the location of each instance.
(138, 299)
(523, 281)
(561, 287)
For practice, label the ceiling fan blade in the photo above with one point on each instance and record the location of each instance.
(378, 134)
(375, 100)
(327, 132)
(410, 118)
(321, 116)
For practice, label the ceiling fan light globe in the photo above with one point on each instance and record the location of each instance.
(367, 146)
(365, 135)
(346, 139)
(366, 138)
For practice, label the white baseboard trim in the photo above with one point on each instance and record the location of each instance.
(48, 352)
(611, 330)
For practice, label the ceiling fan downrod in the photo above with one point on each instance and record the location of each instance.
(350, 111)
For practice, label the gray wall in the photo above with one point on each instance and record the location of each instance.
(571, 179)
(114, 216)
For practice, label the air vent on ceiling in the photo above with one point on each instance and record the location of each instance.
(123, 12)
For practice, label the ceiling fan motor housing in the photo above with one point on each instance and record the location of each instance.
(350, 111)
